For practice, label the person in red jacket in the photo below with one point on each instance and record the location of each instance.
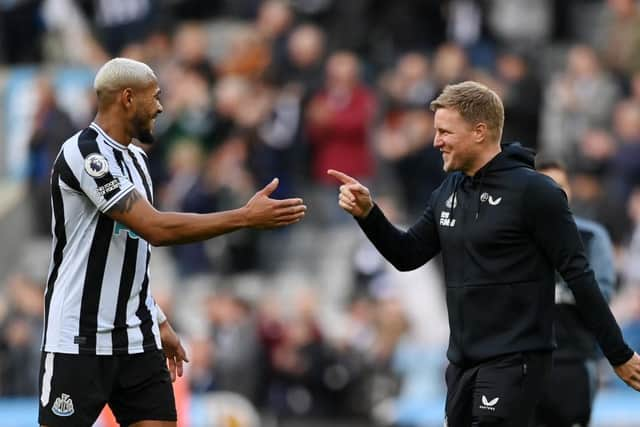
(338, 120)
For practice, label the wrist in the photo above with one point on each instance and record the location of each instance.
(244, 218)
(366, 212)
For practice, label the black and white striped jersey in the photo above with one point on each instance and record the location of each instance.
(98, 299)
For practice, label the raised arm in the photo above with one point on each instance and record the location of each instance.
(169, 228)
(406, 250)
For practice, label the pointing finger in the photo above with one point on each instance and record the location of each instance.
(342, 177)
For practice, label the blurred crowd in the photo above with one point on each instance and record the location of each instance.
(256, 89)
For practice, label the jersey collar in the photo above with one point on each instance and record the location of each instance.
(108, 139)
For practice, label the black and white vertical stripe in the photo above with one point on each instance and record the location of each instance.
(98, 299)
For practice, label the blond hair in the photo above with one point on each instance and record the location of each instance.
(120, 73)
(476, 103)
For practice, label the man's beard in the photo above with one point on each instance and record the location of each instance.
(143, 134)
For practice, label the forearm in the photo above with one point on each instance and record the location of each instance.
(401, 248)
(170, 228)
(596, 314)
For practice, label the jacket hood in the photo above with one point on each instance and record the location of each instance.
(513, 155)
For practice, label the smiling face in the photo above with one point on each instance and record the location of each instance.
(456, 139)
(147, 107)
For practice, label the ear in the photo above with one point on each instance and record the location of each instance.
(480, 132)
(126, 98)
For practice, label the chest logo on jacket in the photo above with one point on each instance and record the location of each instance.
(486, 197)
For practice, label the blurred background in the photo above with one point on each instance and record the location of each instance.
(308, 325)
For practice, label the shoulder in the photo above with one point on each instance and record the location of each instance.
(543, 195)
(87, 153)
(538, 184)
(88, 141)
(72, 149)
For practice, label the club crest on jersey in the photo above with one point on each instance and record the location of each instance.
(63, 406)
(96, 165)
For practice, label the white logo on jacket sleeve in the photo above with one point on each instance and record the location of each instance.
(96, 165)
(63, 406)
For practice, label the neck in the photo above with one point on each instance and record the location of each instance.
(484, 158)
(114, 127)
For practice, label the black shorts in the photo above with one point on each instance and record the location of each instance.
(502, 392)
(75, 388)
(568, 399)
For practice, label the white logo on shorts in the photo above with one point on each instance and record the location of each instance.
(489, 404)
(63, 406)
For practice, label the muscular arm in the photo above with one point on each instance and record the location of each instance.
(169, 228)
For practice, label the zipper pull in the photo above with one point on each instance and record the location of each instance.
(524, 368)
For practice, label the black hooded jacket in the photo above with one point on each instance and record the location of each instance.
(503, 233)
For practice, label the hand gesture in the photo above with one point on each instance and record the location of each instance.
(629, 372)
(265, 212)
(173, 350)
(354, 197)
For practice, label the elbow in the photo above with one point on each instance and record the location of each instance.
(159, 239)
(156, 237)
(157, 231)
(157, 242)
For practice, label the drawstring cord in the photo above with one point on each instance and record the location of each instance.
(478, 200)
(454, 199)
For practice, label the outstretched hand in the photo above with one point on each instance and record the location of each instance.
(354, 197)
(265, 212)
(629, 372)
(173, 350)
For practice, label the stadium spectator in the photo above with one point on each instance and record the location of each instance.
(403, 138)
(20, 332)
(621, 36)
(20, 32)
(450, 65)
(581, 96)
(52, 125)
(626, 162)
(521, 93)
(338, 122)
